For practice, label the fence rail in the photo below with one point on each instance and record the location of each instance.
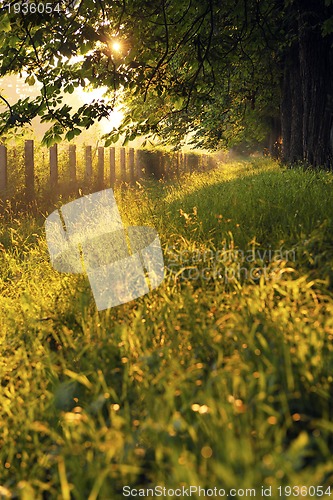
(112, 165)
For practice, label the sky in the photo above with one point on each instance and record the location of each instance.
(12, 87)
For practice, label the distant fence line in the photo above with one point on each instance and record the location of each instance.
(128, 165)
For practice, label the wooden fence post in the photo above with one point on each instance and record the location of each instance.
(3, 170)
(165, 168)
(177, 164)
(112, 166)
(211, 162)
(184, 162)
(72, 163)
(123, 164)
(192, 162)
(181, 162)
(88, 160)
(100, 168)
(131, 165)
(203, 162)
(54, 165)
(159, 169)
(29, 170)
(139, 164)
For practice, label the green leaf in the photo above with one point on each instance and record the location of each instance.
(70, 135)
(5, 24)
(86, 47)
(30, 80)
(179, 103)
(57, 139)
(327, 26)
(69, 89)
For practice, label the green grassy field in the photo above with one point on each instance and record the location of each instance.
(223, 376)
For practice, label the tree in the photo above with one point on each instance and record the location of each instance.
(221, 71)
(306, 105)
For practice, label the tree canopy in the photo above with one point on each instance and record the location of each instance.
(221, 71)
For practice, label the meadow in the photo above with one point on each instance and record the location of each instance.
(221, 377)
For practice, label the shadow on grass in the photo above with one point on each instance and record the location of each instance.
(273, 206)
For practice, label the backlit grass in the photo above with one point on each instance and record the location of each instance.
(220, 377)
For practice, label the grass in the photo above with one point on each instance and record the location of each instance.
(220, 377)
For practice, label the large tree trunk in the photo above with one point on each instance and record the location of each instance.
(297, 108)
(274, 137)
(307, 88)
(316, 77)
(292, 108)
(286, 114)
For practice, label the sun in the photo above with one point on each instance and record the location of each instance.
(116, 46)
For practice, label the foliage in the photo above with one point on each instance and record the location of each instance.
(203, 381)
(189, 67)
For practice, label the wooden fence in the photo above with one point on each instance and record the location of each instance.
(112, 165)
